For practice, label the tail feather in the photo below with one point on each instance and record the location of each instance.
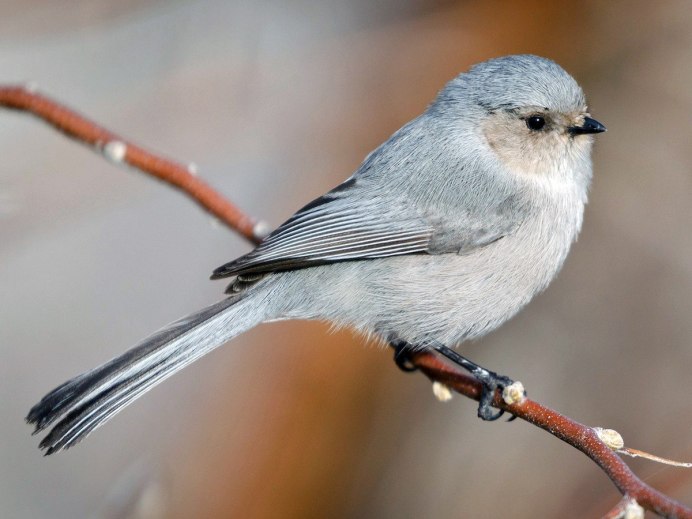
(83, 419)
(89, 400)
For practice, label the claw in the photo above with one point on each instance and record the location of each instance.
(402, 356)
(491, 383)
(485, 410)
(491, 417)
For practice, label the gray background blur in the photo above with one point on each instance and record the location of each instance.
(277, 102)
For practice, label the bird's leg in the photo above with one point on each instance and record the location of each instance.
(490, 381)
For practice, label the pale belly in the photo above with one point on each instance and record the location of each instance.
(422, 298)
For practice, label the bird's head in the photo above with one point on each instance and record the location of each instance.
(530, 112)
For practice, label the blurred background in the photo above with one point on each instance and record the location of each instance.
(276, 102)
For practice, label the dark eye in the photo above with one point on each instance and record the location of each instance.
(535, 122)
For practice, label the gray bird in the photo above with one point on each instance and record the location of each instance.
(442, 234)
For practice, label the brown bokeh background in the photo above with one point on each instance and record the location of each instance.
(277, 101)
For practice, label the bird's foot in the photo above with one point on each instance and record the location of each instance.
(490, 383)
(402, 355)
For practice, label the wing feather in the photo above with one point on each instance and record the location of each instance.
(332, 229)
(356, 221)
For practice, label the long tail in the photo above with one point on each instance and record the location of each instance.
(89, 400)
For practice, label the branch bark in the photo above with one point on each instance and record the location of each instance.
(582, 437)
(119, 150)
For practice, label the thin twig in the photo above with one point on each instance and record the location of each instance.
(578, 435)
(117, 149)
(636, 453)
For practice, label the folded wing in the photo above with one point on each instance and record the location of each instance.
(336, 227)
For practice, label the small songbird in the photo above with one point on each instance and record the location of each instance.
(442, 234)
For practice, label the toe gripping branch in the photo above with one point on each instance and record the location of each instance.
(402, 355)
(490, 381)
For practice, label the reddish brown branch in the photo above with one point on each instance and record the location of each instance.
(579, 436)
(173, 173)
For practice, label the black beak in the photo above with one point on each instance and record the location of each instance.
(590, 126)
